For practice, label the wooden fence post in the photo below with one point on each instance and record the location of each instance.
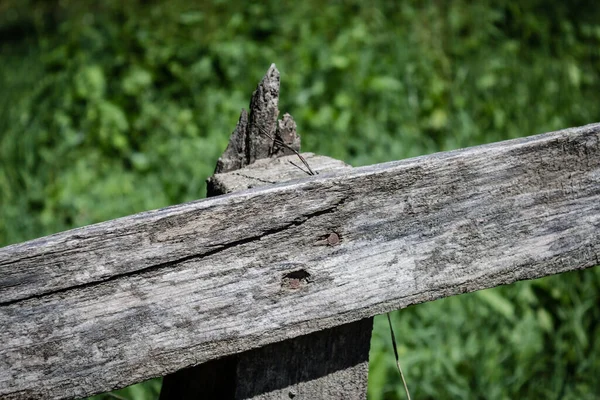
(328, 364)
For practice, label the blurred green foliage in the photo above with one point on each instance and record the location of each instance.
(108, 108)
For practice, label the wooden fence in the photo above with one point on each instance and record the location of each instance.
(269, 292)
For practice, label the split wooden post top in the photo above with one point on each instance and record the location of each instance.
(328, 364)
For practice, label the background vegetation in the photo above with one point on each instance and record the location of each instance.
(108, 108)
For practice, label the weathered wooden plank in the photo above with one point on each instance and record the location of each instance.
(101, 307)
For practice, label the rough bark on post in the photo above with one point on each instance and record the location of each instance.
(329, 364)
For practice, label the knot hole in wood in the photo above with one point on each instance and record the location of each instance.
(296, 279)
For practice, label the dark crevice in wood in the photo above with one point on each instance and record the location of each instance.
(296, 279)
(253, 178)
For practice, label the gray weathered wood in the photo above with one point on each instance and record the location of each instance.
(289, 369)
(263, 116)
(269, 171)
(235, 156)
(329, 364)
(260, 135)
(104, 306)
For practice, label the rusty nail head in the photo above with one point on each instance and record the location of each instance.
(333, 239)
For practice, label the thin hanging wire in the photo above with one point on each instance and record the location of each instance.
(397, 358)
(281, 143)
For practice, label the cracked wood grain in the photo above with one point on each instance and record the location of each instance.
(258, 134)
(328, 364)
(263, 116)
(235, 156)
(270, 171)
(101, 307)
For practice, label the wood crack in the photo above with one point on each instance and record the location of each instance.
(167, 264)
(252, 178)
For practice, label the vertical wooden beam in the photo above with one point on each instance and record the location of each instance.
(330, 364)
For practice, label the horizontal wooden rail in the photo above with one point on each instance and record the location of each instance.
(104, 306)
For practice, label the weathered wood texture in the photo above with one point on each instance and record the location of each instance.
(292, 369)
(255, 134)
(329, 364)
(269, 171)
(101, 307)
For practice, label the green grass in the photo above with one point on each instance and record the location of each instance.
(109, 108)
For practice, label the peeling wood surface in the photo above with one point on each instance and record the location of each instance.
(101, 307)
